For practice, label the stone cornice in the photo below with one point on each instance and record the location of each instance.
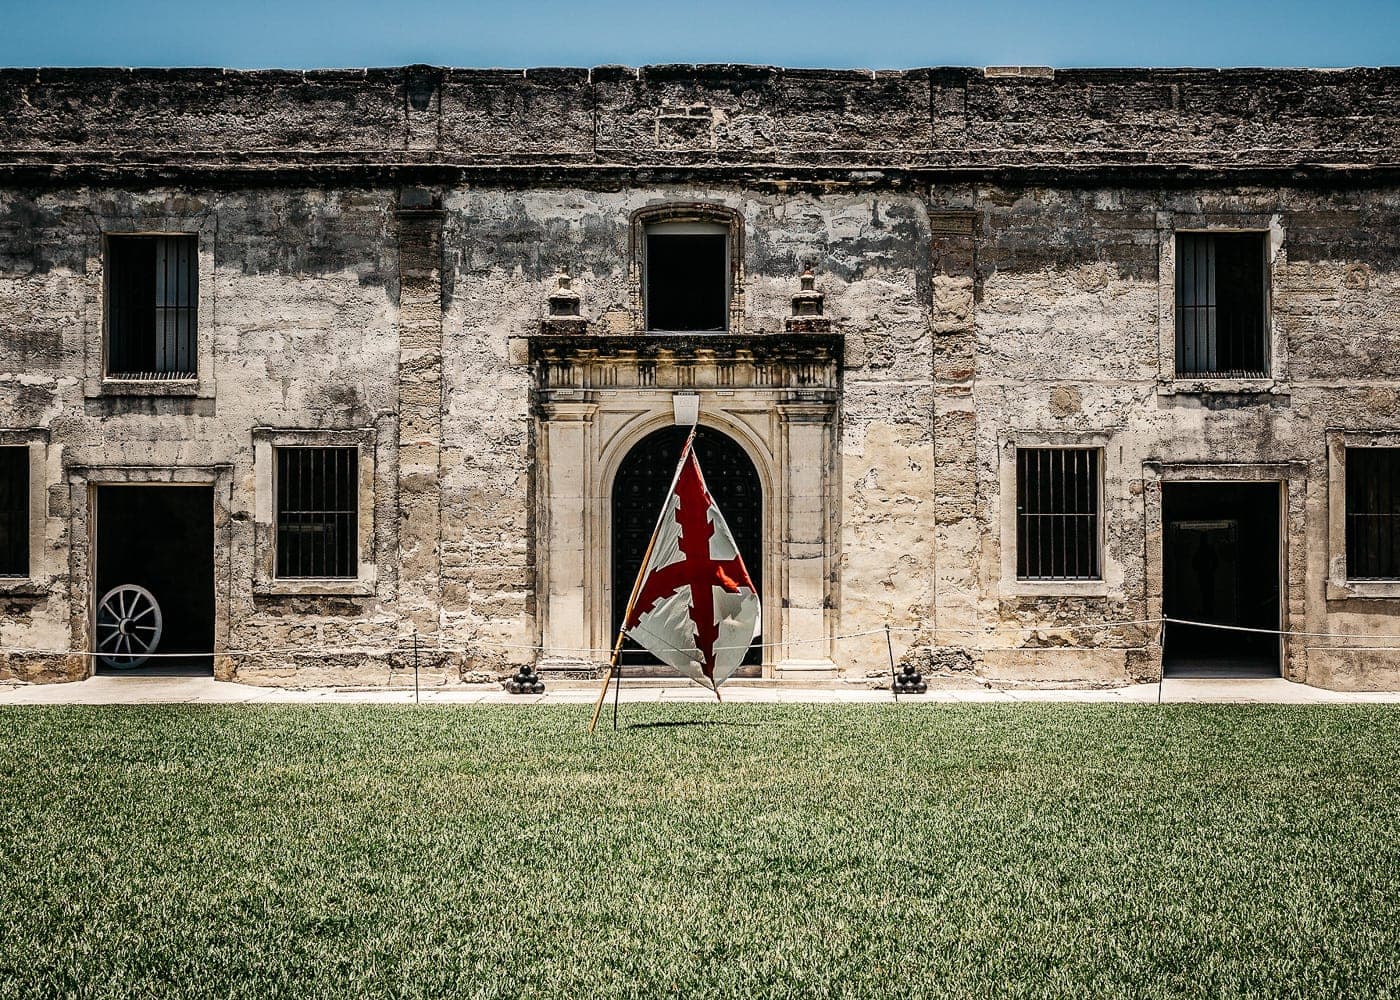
(687, 361)
(575, 127)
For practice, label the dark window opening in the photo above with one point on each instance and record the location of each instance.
(687, 281)
(1221, 305)
(14, 511)
(1057, 514)
(1373, 508)
(152, 297)
(317, 512)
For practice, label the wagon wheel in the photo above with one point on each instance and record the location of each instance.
(128, 626)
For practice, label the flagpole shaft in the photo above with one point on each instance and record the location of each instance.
(608, 677)
(632, 600)
(621, 635)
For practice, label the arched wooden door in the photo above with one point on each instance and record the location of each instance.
(637, 495)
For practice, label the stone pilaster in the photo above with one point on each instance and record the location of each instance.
(957, 539)
(420, 405)
(805, 551)
(563, 527)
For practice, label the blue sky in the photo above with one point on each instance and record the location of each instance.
(888, 34)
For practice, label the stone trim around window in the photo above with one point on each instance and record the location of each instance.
(1169, 224)
(265, 581)
(1339, 588)
(46, 564)
(148, 221)
(686, 211)
(1110, 573)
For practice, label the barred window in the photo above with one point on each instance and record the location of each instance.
(14, 511)
(317, 512)
(152, 299)
(1372, 509)
(1057, 514)
(1222, 305)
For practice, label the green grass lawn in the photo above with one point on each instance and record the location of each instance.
(716, 851)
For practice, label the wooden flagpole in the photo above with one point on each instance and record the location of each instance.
(613, 666)
(612, 662)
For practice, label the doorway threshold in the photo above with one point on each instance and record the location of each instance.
(1220, 666)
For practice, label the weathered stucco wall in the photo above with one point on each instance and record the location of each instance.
(377, 251)
(1069, 338)
(301, 313)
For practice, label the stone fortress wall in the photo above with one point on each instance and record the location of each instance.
(995, 249)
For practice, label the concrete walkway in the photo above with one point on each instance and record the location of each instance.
(107, 690)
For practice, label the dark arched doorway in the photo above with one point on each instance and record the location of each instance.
(637, 494)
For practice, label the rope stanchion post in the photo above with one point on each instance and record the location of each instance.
(415, 666)
(894, 681)
(1161, 657)
(617, 694)
(906, 681)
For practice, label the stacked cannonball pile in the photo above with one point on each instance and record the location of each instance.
(525, 681)
(909, 681)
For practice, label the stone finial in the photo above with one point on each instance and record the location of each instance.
(563, 301)
(564, 315)
(807, 307)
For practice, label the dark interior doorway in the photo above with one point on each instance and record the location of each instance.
(1220, 564)
(638, 491)
(161, 538)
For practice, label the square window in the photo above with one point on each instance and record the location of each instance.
(1057, 514)
(1372, 512)
(317, 493)
(687, 276)
(1222, 328)
(152, 301)
(14, 511)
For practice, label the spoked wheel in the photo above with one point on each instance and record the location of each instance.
(128, 626)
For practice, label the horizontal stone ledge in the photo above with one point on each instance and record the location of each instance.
(648, 347)
(785, 177)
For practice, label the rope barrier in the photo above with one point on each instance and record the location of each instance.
(989, 631)
(1275, 631)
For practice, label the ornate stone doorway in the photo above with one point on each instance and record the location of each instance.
(638, 491)
(767, 406)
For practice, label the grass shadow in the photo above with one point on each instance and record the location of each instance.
(695, 722)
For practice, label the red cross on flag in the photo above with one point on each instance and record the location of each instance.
(694, 605)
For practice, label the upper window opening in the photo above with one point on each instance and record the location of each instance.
(152, 299)
(1222, 305)
(14, 511)
(1372, 513)
(687, 276)
(1057, 514)
(317, 512)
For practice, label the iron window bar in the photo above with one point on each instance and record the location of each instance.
(1221, 305)
(317, 513)
(1057, 514)
(152, 306)
(1373, 513)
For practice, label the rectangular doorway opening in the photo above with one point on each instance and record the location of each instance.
(1221, 565)
(154, 545)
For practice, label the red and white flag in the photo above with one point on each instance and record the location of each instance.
(694, 605)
